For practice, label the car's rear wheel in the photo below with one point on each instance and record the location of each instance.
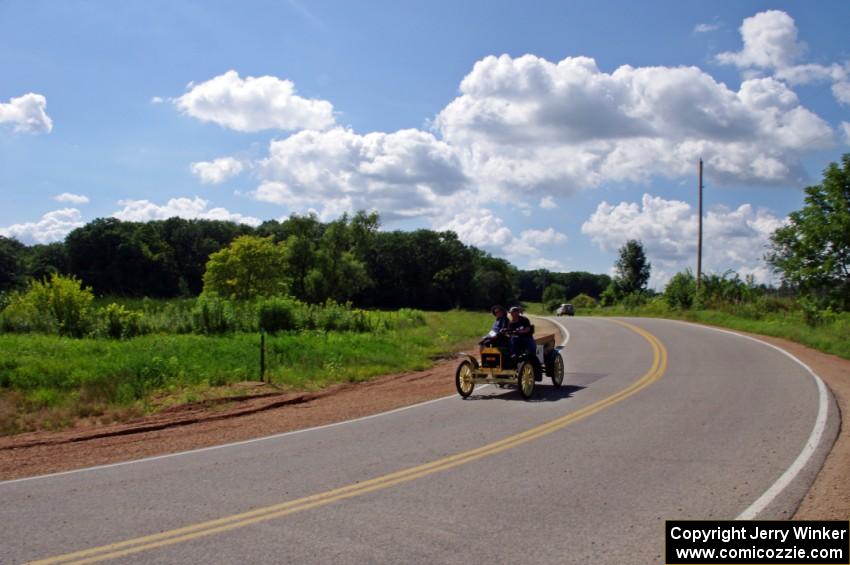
(558, 370)
(525, 379)
(464, 379)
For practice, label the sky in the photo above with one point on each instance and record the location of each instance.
(547, 133)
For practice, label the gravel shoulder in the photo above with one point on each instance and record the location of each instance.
(204, 425)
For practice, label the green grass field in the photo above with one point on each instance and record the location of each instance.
(49, 381)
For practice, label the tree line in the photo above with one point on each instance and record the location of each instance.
(348, 259)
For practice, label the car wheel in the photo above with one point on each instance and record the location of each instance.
(525, 379)
(464, 380)
(558, 370)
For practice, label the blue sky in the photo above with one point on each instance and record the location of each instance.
(545, 132)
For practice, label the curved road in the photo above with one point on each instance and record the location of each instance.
(657, 420)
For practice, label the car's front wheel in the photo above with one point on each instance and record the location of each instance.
(464, 380)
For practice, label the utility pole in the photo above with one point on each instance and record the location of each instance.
(699, 241)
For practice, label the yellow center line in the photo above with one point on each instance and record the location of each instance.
(145, 543)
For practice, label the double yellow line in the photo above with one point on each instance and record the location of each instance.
(179, 535)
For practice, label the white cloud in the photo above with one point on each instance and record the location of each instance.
(845, 129)
(403, 174)
(705, 28)
(27, 114)
(217, 171)
(482, 229)
(841, 91)
(71, 198)
(254, 104)
(732, 239)
(770, 41)
(547, 203)
(811, 72)
(527, 124)
(157, 100)
(53, 226)
(487, 231)
(550, 264)
(543, 237)
(188, 208)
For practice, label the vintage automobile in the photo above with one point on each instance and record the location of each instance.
(497, 367)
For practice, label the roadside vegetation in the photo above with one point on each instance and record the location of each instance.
(811, 253)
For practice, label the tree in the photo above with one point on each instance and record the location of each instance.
(554, 295)
(11, 263)
(812, 251)
(249, 267)
(680, 292)
(632, 268)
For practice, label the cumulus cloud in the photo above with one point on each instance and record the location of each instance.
(27, 114)
(841, 91)
(529, 124)
(188, 208)
(53, 226)
(547, 203)
(770, 41)
(70, 198)
(254, 104)
(735, 239)
(217, 171)
(543, 237)
(488, 231)
(403, 174)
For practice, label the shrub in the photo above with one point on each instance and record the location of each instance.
(583, 301)
(213, 315)
(280, 314)
(680, 292)
(57, 305)
(119, 322)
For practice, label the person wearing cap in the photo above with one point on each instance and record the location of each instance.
(522, 334)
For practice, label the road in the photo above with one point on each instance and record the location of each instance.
(657, 420)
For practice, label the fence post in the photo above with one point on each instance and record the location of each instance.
(262, 355)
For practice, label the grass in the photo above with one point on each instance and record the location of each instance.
(830, 334)
(49, 381)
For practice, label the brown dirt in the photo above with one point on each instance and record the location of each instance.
(254, 415)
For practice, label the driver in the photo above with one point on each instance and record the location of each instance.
(521, 333)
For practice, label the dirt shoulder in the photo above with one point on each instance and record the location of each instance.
(203, 425)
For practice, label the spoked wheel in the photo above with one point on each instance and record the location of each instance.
(558, 370)
(464, 379)
(525, 379)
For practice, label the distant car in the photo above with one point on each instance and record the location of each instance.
(565, 310)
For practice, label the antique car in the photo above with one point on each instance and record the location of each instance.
(497, 366)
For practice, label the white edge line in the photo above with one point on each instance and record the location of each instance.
(560, 325)
(811, 444)
(249, 441)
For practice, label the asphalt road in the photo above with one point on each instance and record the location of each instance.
(657, 420)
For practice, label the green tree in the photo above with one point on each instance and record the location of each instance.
(11, 263)
(554, 295)
(680, 292)
(249, 267)
(632, 268)
(812, 251)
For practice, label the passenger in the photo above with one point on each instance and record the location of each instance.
(522, 335)
(498, 330)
